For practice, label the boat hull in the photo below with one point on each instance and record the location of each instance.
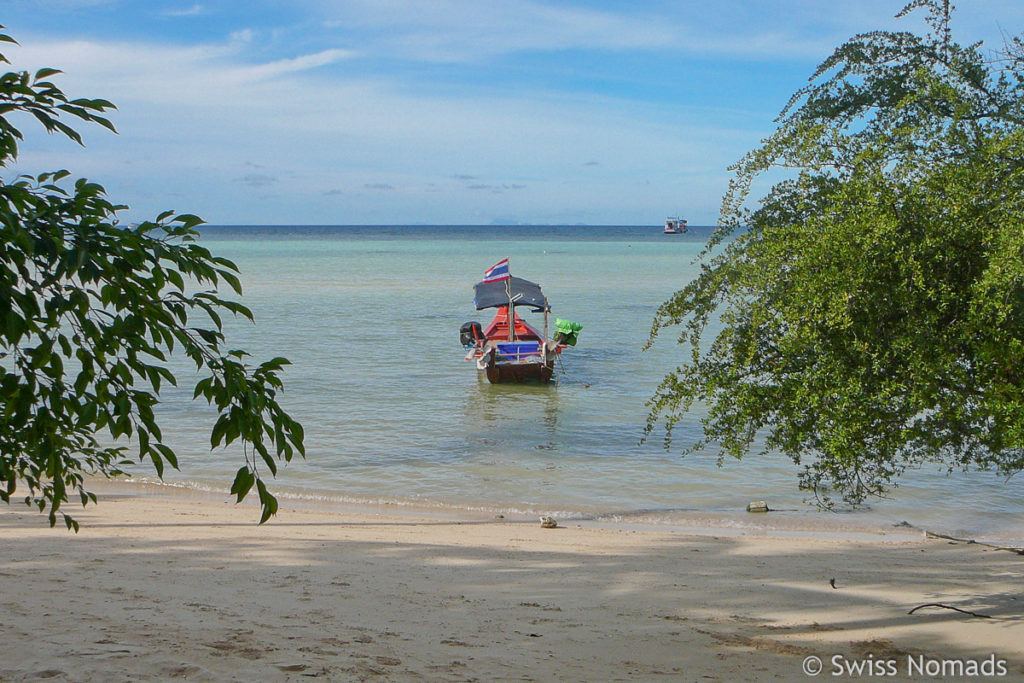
(518, 372)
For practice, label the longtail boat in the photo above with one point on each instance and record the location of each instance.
(509, 349)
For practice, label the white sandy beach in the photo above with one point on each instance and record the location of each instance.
(162, 584)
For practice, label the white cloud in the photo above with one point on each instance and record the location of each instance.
(195, 120)
(162, 74)
(473, 31)
(293, 65)
(466, 30)
(193, 11)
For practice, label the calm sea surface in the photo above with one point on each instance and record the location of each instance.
(370, 316)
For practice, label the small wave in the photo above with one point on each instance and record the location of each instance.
(686, 520)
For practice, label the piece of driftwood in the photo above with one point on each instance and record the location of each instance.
(955, 609)
(969, 541)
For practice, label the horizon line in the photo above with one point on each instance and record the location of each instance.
(438, 225)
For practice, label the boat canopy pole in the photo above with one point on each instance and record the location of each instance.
(545, 340)
(511, 310)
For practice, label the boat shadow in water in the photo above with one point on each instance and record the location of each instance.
(531, 407)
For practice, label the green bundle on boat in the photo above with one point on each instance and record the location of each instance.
(567, 332)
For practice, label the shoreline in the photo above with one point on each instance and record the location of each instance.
(777, 522)
(170, 584)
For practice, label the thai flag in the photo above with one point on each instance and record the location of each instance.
(498, 272)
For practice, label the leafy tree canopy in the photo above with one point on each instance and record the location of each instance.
(868, 316)
(90, 312)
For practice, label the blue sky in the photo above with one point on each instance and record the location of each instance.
(440, 111)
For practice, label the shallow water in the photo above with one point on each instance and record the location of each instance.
(370, 317)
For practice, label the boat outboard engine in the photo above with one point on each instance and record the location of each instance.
(470, 333)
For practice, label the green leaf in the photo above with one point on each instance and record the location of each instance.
(268, 501)
(168, 454)
(189, 220)
(46, 73)
(220, 429)
(236, 285)
(243, 483)
(176, 279)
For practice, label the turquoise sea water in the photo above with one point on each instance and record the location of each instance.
(370, 316)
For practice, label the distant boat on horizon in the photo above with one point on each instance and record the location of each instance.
(674, 225)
